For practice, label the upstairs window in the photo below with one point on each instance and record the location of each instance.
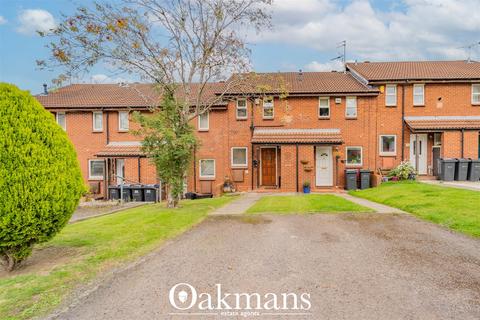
(324, 108)
(476, 93)
(239, 157)
(207, 168)
(391, 95)
(388, 145)
(61, 120)
(123, 121)
(418, 94)
(268, 108)
(203, 121)
(98, 121)
(351, 109)
(242, 109)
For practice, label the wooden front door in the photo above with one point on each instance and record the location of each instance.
(269, 166)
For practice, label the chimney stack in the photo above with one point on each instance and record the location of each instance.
(300, 75)
(45, 91)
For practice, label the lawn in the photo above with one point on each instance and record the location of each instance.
(312, 203)
(457, 209)
(84, 249)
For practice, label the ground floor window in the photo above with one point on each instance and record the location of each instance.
(239, 157)
(354, 156)
(96, 169)
(207, 168)
(61, 120)
(388, 145)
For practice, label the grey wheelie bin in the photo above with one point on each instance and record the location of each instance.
(350, 179)
(126, 192)
(447, 169)
(114, 193)
(474, 170)
(365, 179)
(137, 193)
(461, 169)
(150, 193)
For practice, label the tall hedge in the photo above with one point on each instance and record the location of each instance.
(40, 179)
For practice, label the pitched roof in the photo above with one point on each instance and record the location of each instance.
(122, 149)
(135, 95)
(280, 135)
(417, 70)
(443, 122)
(296, 83)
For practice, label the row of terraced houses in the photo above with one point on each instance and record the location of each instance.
(372, 116)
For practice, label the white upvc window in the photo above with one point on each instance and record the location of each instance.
(476, 93)
(418, 94)
(268, 112)
(241, 110)
(388, 145)
(391, 95)
(324, 107)
(351, 107)
(98, 121)
(354, 156)
(61, 120)
(204, 121)
(96, 169)
(207, 168)
(239, 157)
(123, 124)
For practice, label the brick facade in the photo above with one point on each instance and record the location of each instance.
(297, 163)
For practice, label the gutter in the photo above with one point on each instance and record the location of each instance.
(403, 122)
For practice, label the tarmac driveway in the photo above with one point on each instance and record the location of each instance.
(363, 266)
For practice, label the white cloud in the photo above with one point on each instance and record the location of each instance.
(103, 78)
(327, 66)
(421, 29)
(2, 20)
(33, 20)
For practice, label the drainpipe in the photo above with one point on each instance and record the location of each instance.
(252, 128)
(296, 157)
(139, 170)
(403, 122)
(416, 152)
(463, 139)
(107, 128)
(195, 169)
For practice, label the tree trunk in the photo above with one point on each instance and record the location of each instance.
(8, 262)
(172, 200)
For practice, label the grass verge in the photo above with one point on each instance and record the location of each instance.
(312, 203)
(457, 209)
(84, 249)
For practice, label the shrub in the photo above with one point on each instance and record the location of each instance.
(403, 171)
(40, 180)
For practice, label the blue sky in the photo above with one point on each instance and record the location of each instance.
(304, 35)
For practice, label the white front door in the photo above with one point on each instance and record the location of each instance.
(120, 165)
(422, 152)
(324, 167)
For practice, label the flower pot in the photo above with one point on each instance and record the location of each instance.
(306, 189)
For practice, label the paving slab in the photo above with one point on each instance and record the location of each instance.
(377, 207)
(468, 185)
(240, 205)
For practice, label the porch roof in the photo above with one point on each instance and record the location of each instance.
(122, 149)
(293, 136)
(443, 122)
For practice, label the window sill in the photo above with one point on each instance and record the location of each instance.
(351, 118)
(267, 118)
(239, 167)
(242, 119)
(202, 130)
(206, 178)
(419, 105)
(476, 104)
(95, 178)
(353, 165)
(391, 155)
(97, 131)
(123, 131)
(391, 106)
(323, 118)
